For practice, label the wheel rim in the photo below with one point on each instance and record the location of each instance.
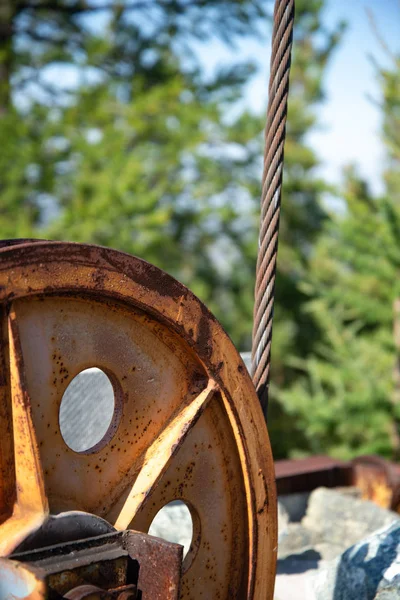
(187, 424)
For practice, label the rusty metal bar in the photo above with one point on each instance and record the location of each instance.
(109, 562)
(378, 479)
(305, 475)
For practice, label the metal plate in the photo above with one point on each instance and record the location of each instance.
(187, 422)
(109, 562)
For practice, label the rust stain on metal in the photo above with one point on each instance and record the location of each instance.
(30, 507)
(107, 566)
(304, 475)
(160, 565)
(378, 480)
(187, 424)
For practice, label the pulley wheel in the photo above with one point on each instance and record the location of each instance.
(186, 423)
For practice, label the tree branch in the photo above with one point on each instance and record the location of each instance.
(82, 7)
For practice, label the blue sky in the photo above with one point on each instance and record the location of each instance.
(349, 119)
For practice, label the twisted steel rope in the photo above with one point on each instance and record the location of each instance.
(271, 196)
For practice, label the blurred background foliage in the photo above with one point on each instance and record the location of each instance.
(113, 133)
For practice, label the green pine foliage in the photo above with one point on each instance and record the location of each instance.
(347, 401)
(114, 133)
(146, 154)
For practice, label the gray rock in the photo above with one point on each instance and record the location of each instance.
(364, 571)
(350, 490)
(389, 590)
(295, 504)
(329, 551)
(343, 520)
(297, 539)
(294, 585)
(334, 521)
(283, 520)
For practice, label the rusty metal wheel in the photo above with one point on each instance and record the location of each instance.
(186, 424)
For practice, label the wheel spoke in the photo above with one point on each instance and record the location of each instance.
(31, 506)
(157, 457)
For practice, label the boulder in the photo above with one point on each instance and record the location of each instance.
(368, 570)
(389, 590)
(296, 540)
(342, 520)
(295, 505)
(283, 520)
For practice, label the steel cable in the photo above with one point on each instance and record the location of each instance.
(275, 131)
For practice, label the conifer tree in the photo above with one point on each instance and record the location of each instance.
(348, 401)
(115, 135)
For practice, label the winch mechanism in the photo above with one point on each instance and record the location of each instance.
(187, 425)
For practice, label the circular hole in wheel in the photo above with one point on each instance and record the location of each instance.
(175, 523)
(88, 417)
